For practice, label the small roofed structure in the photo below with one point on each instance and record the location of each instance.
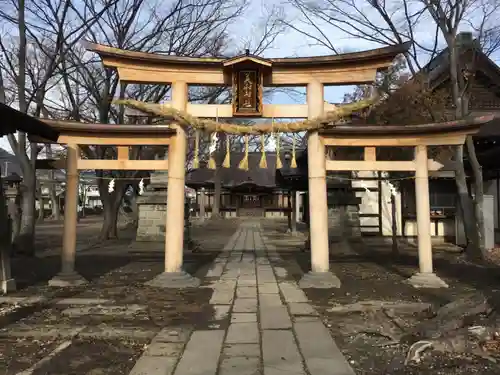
(256, 192)
(11, 122)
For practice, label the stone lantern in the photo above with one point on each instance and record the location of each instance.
(13, 198)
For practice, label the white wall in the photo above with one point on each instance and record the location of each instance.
(369, 200)
(491, 188)
(369, 205)
(387, 210)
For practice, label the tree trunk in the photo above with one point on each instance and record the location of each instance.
(111, 205)
(110, 223)
(469, 207)
(478, 193)
(24, 243)
(41, 210)
(468, 217)
(54, 201)
(135, 210)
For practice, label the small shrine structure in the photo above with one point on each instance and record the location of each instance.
(11, 122)
(255, 192)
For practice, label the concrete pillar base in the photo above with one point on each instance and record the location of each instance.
(8, 286)
(426, 280)
(319, 280)
(174, 280)
(63, 280)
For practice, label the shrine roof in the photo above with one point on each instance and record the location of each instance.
(81, 127)
(13, 120)
(370, 55)
(247, 58)
(234, 177)
(468, 124)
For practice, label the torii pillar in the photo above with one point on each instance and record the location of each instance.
(425, 278)
(320, 275)
(174, 276)
(68, 276)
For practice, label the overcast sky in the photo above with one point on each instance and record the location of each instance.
(289, 43)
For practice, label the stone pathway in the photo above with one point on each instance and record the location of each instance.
(262, 323)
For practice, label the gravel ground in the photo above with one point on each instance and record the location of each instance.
(370, 273)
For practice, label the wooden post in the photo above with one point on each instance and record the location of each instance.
(423, 210)
(7, 283)
(289, 210)
(174, 239)
(425, 278)
(394, 226)
(317, 184)
(202, 204)
(68, 276)
(174, 276)
(319, 277)
(294, 211)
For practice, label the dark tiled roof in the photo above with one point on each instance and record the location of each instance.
(233, 176)
(9, 163)
(14, 167)
(13, 120)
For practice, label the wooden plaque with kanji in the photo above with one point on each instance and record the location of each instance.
(247, 92)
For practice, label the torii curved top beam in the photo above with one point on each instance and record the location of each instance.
(348, 68)
(377, 54)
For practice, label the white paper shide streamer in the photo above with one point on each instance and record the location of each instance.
(111, 186)
(213, 144)
(141, 187)
(392, 188)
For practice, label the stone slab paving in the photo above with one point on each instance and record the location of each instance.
(271, 327)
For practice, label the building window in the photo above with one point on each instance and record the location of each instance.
(442, 197)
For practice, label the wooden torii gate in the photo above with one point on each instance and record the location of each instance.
(418, 137)
(248, 75)
(75, 134)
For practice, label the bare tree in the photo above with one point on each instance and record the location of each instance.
(449, 16)
(388, 22)
(376, 22)
(36, 29)
(192, 28)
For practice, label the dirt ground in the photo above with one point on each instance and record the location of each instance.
(369, 272)
(110, 339)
